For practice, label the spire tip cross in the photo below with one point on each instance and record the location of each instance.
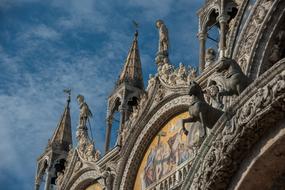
(136, 24)
(68, 92)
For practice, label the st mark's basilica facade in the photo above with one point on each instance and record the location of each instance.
(223, 128)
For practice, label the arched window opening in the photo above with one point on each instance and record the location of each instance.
(59, 168)
(213, 31)
(133, 103)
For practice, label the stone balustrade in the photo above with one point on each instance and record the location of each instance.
(174, 179)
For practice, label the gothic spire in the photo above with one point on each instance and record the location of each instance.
(132, 71)
(62, 136)
(52, 160)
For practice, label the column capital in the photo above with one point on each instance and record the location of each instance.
(202, 35)
(223, 18)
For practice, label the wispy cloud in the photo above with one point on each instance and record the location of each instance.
(76, 44)
(42, 32)
(153, 8)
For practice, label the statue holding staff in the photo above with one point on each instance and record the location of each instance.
(85, 112)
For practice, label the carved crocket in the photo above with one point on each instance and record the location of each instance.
(200, 111)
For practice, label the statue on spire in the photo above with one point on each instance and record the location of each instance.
(86, 148)
(163, 38)
(85, 112)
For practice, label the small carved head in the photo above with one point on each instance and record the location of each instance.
(158, 23)
(210, 54)
(80, 98)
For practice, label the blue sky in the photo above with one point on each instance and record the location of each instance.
(46, 46)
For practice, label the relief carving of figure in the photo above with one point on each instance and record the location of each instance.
(90, 156)
(234, 79)
(108, 176)
(262, 10)
(181, 74)
(143, 98)
(166, 70)
(212, 95)
(200, 111)
(192, 74)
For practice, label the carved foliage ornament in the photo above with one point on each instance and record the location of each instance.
(180, 76)
(251, 32)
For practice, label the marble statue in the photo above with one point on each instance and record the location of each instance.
(86, 148)
(108, 176)
(192, 74)
(85, 112)
(210, 57)
(163, 37)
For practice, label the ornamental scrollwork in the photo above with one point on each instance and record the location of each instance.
(261, 99)
(251, 33)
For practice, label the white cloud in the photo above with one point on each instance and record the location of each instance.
(40, 31)
(84, 13)
(32, 100)
(153, 9)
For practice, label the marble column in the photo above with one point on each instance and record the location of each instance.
(202, 40)
(48, 180)
(108, 133)
(223, 18)
(222, 44)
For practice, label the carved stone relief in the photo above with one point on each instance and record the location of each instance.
(233, 137)
(251, 32)
(145, 136)
(176, 77)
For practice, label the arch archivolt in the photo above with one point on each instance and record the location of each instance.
(139, 142)
(265, 162)
(262, 15)
(85, 179)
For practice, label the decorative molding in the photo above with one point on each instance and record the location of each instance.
(259, 62)
(237, 130)
(252, 30)
(142, 136)
(87, 178)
